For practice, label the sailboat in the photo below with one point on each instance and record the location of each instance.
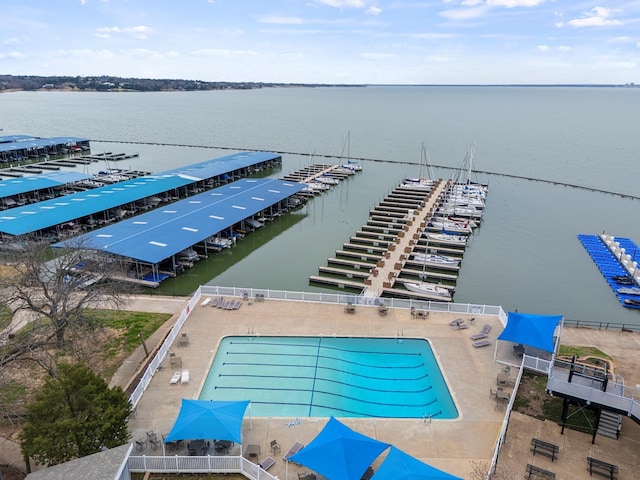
(351, 164)
(427, 288)
(435, 259)
(421, 182)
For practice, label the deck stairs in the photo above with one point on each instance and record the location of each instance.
(610, 424)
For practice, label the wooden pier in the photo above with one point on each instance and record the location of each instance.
(384, 276)
(378, 258)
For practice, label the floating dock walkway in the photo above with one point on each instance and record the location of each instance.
(615, 258)
(377, 258)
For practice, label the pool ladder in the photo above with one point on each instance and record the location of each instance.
(399, 336)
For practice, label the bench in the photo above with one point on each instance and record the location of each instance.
(544, 448)
(601, 468)
(534, 472)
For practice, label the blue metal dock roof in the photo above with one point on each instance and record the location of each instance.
(168, 230)
(39, 143)
(219, 166)
(15, 138)
(17, 186)
(49, 213)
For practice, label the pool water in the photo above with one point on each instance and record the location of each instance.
(325, 376)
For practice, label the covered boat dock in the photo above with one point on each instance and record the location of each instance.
(15, 192)
(103, 205)
(155, 244)
(16, 148)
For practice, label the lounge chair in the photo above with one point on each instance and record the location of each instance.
(184, 378)
(484, 333)
(176, 378)
(267, 463)
(459, 324)
(307, 476)
(482, 343)
(295, 448)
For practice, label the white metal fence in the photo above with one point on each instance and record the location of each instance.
(189, 464)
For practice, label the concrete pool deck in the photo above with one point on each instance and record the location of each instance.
(455, 446)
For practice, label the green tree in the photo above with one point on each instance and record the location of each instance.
(74, 415)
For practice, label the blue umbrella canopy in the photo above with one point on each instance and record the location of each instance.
(339, 453)
(401, 466)
(199, 419)
(529, 329)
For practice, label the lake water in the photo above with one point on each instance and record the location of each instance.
(525, 255)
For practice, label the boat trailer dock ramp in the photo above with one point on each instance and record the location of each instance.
(373, 259)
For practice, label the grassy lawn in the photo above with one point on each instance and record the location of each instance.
(128, 327)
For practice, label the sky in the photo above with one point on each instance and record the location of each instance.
(327, 41)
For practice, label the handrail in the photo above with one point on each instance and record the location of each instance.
(158, 358)
(197, 464)
(505, 424)
(617, 396)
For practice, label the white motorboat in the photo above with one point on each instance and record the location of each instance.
(428, 289)
(434, 259)
(218, 242)
(252, 222)
(188, 255)
(445, 237)
(629, 290)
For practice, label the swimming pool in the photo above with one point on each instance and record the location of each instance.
(324, 376)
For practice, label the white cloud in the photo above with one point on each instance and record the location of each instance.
(86, 53)
(621, 40)
(13, 55)
(464, 13)
(543, 48)
(11, 41)
(596, 17)
(374, 10)
(564, 48)
(343, 3)
(279, 20)
(223, 53)
(375, 56)
(139, 32)
(514, 3)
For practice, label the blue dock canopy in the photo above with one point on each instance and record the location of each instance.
(34, 143)
(47, 214)
(219, 166)
(166, 231)
(21, 185)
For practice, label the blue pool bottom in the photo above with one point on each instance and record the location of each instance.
(325, 376)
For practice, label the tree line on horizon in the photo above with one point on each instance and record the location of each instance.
(108, 83)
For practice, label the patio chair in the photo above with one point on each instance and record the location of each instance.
(184, 377)
(482, 343)
(183, 340)
(176, 378)
(484, 333)
(275, 447)
(267, 463)
(295, 448)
